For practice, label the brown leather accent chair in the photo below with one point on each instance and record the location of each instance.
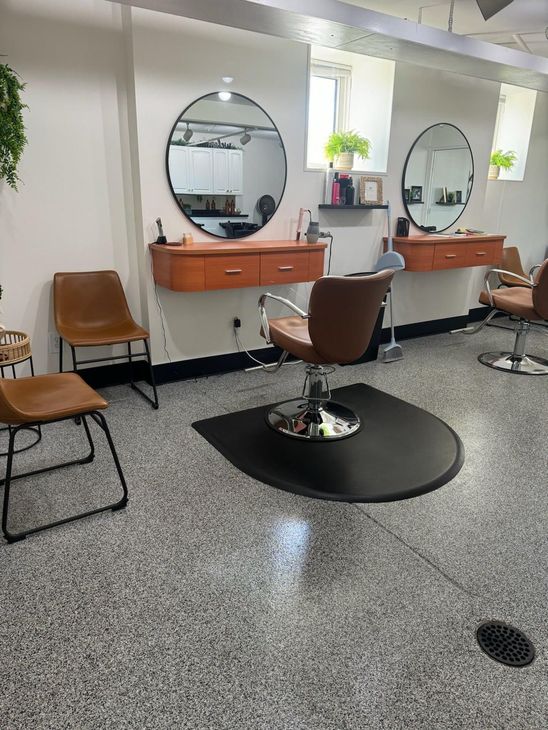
(337, 328)
(91, 310)
(44, 399)
(528, 305)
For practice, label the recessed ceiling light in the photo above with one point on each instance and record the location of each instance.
(224, 95)
(228, 79)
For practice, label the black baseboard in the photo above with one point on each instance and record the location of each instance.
(117, 374)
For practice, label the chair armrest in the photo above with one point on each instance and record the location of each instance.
(529, 282)
(264, 318)
(532, 271)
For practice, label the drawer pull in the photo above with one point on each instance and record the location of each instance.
(481, 253)
(450, 255)
(233, 271)
(285, 268)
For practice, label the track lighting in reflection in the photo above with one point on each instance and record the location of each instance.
(245, 138)
(187, 136)
(224, 95)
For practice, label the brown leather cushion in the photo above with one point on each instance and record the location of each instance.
(291, 334)
(46, 398)
(517, 301)
(106, 335)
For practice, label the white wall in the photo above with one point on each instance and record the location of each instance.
(73, 209)
(78, 206)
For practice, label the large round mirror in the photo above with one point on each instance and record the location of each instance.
(437, 177)
(226, 165)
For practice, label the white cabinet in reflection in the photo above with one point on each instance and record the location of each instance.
(227, 171)
(200, 170)
(178, 168)
(203, 170)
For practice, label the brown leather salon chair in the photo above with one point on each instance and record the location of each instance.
(44, 399)
(528, 304)
(336, 329)
(91, 310)
(511, 263)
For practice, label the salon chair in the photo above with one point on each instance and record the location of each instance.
(91, 310)
(511, 263)
(337, 328)
(527, 304)
(44, 399)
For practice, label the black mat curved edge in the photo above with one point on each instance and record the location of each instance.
(401, 451)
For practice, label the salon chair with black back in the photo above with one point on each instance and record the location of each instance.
(528, 306)
(91, 310)
(44, 399)
(337, 328)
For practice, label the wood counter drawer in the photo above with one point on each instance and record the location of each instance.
(284, 268)
(450, 256)
(483, 254)
(231, 272)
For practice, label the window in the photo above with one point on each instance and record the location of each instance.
(349, 91)
(513, 127)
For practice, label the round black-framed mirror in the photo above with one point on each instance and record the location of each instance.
(438, 177)
(225, 160)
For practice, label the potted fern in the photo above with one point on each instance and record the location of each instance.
(499, 159)
(341, 147)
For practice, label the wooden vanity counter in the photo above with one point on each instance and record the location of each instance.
(436, 253)
(235, 264)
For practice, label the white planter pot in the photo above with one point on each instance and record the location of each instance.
(344, 161)
(494, 172)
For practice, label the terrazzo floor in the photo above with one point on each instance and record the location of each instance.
(215, 602)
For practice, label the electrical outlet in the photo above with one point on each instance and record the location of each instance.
(237, 323)
(53, 344)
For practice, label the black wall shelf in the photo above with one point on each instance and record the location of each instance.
(329, 206)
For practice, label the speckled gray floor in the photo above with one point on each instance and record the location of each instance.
(216, 602)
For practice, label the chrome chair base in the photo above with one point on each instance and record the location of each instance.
(301, 419)
(509, 362)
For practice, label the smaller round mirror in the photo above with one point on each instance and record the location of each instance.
(226, 165)
(438, 177)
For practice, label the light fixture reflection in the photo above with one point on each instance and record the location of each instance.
(224, 95)
(245, 138)
(187, 136)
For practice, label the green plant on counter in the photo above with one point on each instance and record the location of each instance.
(506, 160)
(340, 142)
(12, 128)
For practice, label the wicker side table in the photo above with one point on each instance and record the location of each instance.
(15, 349)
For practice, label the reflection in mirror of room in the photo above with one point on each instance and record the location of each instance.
(438, 177)
(224, 156)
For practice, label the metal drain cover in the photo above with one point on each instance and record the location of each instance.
(505, 644)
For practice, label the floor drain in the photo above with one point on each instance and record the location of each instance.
(505, 644)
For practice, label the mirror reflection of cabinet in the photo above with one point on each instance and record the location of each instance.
(227, 172)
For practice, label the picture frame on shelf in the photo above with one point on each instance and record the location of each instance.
(458, 196)
(406, 195)
(416, 194)
(371, 190)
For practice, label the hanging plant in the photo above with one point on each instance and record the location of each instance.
(12, 128)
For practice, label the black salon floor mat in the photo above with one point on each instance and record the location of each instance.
(401, 451)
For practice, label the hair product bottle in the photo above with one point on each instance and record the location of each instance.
(335, 194)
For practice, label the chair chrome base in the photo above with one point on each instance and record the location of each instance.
(329, 421)
(507, 361)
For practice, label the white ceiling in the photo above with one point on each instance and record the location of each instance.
(528, 19)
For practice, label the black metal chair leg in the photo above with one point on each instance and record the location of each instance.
(100, 420)
(130, 361)
(10, 537)
(153, 401)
